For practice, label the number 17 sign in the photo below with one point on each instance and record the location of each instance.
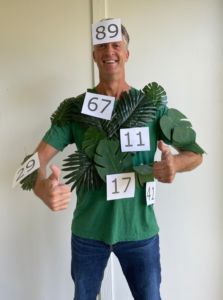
(120, 186)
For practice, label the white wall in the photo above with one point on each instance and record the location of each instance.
(44, 58)
(179, 44)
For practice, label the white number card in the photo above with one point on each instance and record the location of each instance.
(99, 106)
(150, 192)
(26, 169)
(107, 31)
(135, 139)
(120, 186)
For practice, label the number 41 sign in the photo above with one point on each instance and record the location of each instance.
(150, 192)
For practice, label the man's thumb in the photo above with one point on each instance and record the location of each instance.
(164, 149)
(162, 146)
(55, 175)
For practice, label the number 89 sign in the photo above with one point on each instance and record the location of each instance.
(106, 31)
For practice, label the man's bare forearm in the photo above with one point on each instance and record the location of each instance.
(187, 161)
(50, 189)
(170, 164)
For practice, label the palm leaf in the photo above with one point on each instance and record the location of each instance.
(86, 121)
(144, 173)
(83, 173)
(66, 109)
(194, 147)
(28, 183)
(92, 137)
(110, 160)
(132, 110)
(70, 111)
(155, 94)
(176, 128)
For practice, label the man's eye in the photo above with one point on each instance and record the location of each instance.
(117, 46)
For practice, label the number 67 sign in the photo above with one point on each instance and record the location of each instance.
(96, 105)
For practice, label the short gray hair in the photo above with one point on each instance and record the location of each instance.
(123, 29)
(125, 34)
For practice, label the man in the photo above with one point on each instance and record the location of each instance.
(128, 226)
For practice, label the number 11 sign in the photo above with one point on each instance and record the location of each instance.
(135, 139)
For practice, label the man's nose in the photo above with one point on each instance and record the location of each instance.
(109, 48)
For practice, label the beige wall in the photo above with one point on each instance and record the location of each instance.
(179, 44)
(45, 56)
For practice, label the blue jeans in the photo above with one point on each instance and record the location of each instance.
(140, 262)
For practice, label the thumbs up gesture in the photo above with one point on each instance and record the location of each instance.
(164, 170)
(55, 176)
(53, 193)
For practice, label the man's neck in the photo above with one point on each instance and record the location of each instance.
(112, 88)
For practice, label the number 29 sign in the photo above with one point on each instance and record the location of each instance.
(106, 31)
(26, 169)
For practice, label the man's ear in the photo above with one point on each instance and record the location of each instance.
(93, 55)
(127, 55)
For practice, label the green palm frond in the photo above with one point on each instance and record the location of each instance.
(132, 110)
(87, 121)
(110, 160)
(194, 147)
(70, 111)
(83, 173)
(28, 183)
(177, 129)
(92, 137)
(144, 173)
(155, 94)
(65, 111)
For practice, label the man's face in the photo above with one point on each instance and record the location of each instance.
(111, 57)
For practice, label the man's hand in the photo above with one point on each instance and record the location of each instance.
(54, 194)
(164, 170)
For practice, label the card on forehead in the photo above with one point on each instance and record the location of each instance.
(106, 31)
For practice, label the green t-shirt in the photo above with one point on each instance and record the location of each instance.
(111, 221)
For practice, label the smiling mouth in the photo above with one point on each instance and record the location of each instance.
(110, 61)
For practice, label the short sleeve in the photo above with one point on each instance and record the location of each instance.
(59, 136)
